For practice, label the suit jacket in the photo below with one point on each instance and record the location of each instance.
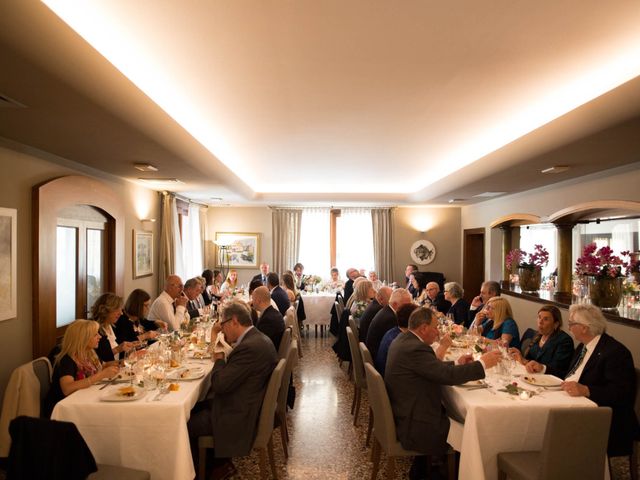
(348, 290)
(366, 318)
(281, 298)
(238, 385)
(259, 277)
(414, 377)
(556, 353)
(384, 321)
(610, 375)
(439, 302)
(271, 323)
(472, 315)
(460, 311)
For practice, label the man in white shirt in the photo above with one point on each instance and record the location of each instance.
(170, 306)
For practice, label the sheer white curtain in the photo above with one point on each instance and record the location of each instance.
(354, 239)
(191, 243)
(314, 241)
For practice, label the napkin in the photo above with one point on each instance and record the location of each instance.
(221, 345)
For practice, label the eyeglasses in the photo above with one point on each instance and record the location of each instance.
(571, 324)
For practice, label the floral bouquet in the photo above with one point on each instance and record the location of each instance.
(519, 258)
(312, 279)
(633, 267)
(600, 263)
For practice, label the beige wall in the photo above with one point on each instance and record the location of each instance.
(22, 168)
(443, 231)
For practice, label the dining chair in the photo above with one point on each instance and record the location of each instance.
(263, 441)
(285, 343)
(339, 309)
(526, 339)
(354, 326)
(281, 406)
(574, 446)
(366, 358)
(359, 380)
(384, 427)
(290, 320)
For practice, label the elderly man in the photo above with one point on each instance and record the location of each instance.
(414, 376)
(232, 406)
(352, 274)
(278, 293)
(193, 290)
(270, 322)
(262, 276)
(488, 289)
(602, 370)
(435, 298)
(170, 306)
(379, 302)
(385, 319)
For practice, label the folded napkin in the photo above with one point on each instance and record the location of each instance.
(221, 345)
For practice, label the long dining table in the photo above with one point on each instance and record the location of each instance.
(496, 421)
(148, 434)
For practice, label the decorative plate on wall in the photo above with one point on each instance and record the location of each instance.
(423, 252)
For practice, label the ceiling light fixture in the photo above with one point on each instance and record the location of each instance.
(555, 169)
(145, 167)
(160, 181)
(489, 194)
(457, 200)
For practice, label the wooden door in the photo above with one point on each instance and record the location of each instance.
(472, 262)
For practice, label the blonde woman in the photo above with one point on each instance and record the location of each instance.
(77, 366)
(230, 283)
(363, 294)
(499, 323)
(106, 311)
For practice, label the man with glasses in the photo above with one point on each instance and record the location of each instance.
(170, 306)
(231, 408)
(435, 298)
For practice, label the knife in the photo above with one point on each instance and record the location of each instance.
(110, 382)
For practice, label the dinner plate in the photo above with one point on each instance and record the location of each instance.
(546, 381)
(190, 373)
(117, 396)
(200, 355)
(473, 384)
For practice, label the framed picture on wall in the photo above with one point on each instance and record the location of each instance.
(142, 253)
(8, 259)
(238, 250)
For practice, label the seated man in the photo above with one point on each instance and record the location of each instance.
(262, 276)
(192, 290)
(278, 293)
(270, 322)
(488, 289)
(435, 298)
(379, 302)
(602, 370)
(408, 271)
(170, 306)
(414, 376)
(385, 319)
(232, 406)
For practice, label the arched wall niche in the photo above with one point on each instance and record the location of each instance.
(515, 220)
(594, 210)
(510, 227)
(48, 199)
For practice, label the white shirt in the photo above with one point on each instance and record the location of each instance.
(111, 336)
(162, 309)
(590, 348)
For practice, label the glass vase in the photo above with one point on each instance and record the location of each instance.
(605, 293)
(529, 279)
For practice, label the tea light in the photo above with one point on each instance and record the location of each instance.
(524, 395)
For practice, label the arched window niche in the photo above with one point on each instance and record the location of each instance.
(510, 225)
(49, 200)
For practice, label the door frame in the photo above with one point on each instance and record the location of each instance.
(471, 271)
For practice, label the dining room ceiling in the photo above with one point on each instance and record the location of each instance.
(333, 102)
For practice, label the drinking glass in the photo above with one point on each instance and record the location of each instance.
(130, 359)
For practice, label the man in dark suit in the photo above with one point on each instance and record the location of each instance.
(262, 276)
(352, 274)
(271, 321)
(192, 291)
(385, 319)
(435, 298)
(408, 271)
(278, 293)
(602, 369)
(414, 376)
(238, 383)
(488, 289)
(378, 303)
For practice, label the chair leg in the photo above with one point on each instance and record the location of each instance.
(284, 437)
(391, 467)
(369, 428)
(272, 459)
(263, 464)
(375, 458)
(357, 410)
(202, 460)
(355, 395)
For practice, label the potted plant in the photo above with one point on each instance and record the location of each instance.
(529, 266)
(603, 271)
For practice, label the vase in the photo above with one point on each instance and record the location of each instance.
(529, 279)
(605, 292)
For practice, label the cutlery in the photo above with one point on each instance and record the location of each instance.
(110, 382)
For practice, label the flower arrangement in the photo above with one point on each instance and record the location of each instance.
(519, 258)
(634, 264)
(311, 279)
(600, 262)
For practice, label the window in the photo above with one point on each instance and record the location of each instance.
(543, 234)
(619, 234)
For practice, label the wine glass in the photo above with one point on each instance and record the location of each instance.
(130, 359)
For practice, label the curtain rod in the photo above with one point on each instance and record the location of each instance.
(185, 199)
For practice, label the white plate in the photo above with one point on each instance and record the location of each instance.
(199, 355)
(546, 381)
(116, 396)
(473, 384)
(190, 373)
(120, 378)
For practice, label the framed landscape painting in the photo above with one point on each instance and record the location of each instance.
(238, 250)
(142, 253)
(8, 259)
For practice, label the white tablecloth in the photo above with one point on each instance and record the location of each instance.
(317, 307)
(499, 422)
(143, 434)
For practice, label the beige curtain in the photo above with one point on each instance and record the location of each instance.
(204, 234)
(286, 238)
(168, 261)
(382, 221)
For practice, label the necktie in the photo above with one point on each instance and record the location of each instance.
(583, 352)
(264, 280)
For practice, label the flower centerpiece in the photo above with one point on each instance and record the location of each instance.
(603, 271)
(633, 267)
(529, 266)
(311, 281)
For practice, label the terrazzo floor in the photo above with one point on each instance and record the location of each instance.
(324, 444)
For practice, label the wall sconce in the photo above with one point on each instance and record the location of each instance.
(147, 223)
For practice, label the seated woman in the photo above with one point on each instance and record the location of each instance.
(230, 283)
(459, 309)
(602, 369)
(419, 284)
(551, 349)
(77, 366)
(404, 312)
(363, 294)
(106, 311)
(336, 282)
(499, 323)
(373, 277)
(288, 283)
(132, 326)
